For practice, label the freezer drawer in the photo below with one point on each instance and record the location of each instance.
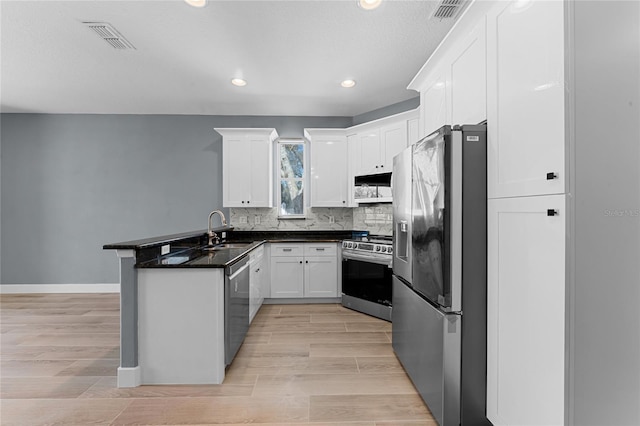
(427, 343)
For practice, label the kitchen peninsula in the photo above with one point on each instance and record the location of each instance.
(183, 317)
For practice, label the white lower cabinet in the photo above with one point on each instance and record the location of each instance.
(287, 276)
(526, 310)
(304, 270)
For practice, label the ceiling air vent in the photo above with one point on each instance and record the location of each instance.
(109, 34)
(447, 9)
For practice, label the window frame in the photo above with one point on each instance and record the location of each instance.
(303, 179)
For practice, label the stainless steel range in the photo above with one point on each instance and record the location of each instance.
(367, 275)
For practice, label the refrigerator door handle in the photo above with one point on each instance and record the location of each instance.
(455, 272)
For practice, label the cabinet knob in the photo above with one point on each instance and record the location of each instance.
(551, 176)
(248, 202)
(301, 262)
(377, 167)
(243, 202)
(382, 166)
(552, 212)
(306, 261)
(343, 202)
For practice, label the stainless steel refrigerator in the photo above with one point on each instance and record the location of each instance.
(439, 271)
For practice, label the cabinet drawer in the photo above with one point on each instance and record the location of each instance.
(286, 250)
(320, 249)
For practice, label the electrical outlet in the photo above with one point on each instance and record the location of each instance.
(332, 219)
(243, 219)
(257, 219)
(165, 249)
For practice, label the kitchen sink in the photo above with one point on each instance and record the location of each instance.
(232, 245)
(225, 246)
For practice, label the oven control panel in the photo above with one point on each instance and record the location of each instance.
(367, 247)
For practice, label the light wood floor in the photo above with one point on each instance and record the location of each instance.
(300, 364)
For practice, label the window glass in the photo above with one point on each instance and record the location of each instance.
(292, 173)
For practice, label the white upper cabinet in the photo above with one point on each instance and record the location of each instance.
(467, 83)
(453, 85)
(393, 139)
(379, 141)
(329, 178)
(526, 98)
(413, 131)
(370, 159)
(247, 167)
(434, 103)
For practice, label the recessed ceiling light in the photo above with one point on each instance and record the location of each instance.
(238, 82)
(196, 3)
(369, 4)
(348, 83)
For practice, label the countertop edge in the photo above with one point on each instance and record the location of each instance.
(160, 240)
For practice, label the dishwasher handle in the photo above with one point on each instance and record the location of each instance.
(235, 269)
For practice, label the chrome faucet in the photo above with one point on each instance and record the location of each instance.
(212, 235)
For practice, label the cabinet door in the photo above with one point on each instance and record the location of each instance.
(413, 131)
(321, 276)
(525, 98)
(434, 103)
(287, 277)
(236, 177)
(468, 79)
(329, 182)
(260, 170)
(526, 311)
(353, 155)
(393, 139)
(369, 152)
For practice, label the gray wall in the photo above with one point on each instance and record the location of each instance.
(71, 183)
(605, 375)
(387, 111)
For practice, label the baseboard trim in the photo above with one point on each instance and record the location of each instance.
(129, 377)
(60, 288)
(301, 300)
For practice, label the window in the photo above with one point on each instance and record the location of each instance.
(291, 177)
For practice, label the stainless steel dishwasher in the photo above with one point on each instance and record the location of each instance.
(236, 307)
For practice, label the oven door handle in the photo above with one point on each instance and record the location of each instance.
(366, 258)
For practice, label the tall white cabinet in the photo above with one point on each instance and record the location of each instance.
(563, 105)
(527, 224)
(247, 167)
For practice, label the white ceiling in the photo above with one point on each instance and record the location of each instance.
(294, 54)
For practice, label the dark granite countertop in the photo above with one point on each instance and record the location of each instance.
(200, 257)
(188, 249)
(161, 240)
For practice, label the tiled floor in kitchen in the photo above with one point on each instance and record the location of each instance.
(300, 364)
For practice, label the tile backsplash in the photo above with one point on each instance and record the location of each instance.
(377, 219)
(266, 219)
